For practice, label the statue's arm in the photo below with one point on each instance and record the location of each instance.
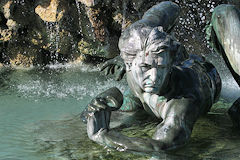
(174, 131)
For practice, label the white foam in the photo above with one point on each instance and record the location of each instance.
(66, 89)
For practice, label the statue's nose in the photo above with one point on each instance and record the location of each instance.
(141, 59)
(153, 74)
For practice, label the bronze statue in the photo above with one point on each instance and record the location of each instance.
(224, 36)
(172, 85)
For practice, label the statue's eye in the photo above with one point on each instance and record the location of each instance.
(145, 67)
(159, 52)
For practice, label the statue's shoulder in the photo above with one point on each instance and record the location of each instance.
(196, 76)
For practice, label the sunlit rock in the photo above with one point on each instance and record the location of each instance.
(6, 9)
(22, 61)
(50, 13)
(11, 24)
(5, 35)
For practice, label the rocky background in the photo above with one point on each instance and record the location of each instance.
(58, 31)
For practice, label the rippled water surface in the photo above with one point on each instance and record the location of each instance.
(29, 96)
(39, 118)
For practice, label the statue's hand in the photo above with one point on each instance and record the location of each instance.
(114, 66)
(98, 117)
(98, 111)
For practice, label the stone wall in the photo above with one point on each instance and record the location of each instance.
(48, 31)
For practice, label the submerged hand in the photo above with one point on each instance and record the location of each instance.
(114, 66)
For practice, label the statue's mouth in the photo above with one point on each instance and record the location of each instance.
(148, 84)
(150, 89)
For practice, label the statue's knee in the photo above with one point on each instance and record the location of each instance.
(225, 11)
(219, 11)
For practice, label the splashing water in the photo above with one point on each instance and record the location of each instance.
(79, 17)
(53, 32)
(28, 96)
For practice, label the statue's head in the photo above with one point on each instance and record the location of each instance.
(149, 53)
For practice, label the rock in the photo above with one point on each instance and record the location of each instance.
(6, 9)
(5, 35)
(22, 56)
(89, 3)
(50, 13)
(12, 25)
(60, 27)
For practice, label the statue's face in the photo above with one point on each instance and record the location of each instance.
(146, 53)
(151, 67)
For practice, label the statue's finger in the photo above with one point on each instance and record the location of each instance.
(100, 103)
(104, 65)
(112, 70)
(120, 74)
(92, 108)
(116, 68)
(107, 70)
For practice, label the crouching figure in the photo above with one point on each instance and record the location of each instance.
(171, 85)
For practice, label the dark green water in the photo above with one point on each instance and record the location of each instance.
(39, 119)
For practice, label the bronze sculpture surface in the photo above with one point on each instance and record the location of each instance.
(170, 84)
(224, 36)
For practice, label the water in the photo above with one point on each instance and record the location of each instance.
(39, 118)
(53, 32)
(79, 17)
(28, 96)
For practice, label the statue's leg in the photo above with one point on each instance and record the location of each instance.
(163, 14)
(225, 38)
(224, 35)
(130, 101)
